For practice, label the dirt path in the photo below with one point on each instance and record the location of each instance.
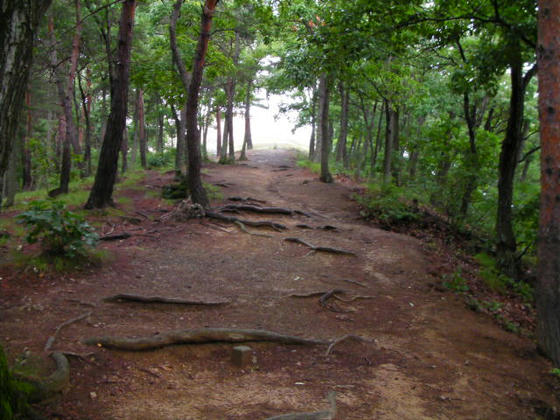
(427, 356)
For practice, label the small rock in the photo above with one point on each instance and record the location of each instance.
(93, 395)
(241, 356)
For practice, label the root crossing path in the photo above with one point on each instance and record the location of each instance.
(414, 353)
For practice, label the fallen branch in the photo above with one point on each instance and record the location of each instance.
(315, 415)
(124, 297)
(51, 339)
(320, 248)
(263, 223)
(115, 237)
(331, 293)
(198, 336)
(244, 229)
(345, 338)
(325, 296)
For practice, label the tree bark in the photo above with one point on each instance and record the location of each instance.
(102, 191)
(124, 151)
(176, 53)
(134, 152)
(19, 21)
(548, 283)
(198, 194)
(324, 123)
(247, 140)
(86, 109)
(159, 145)
(312, 139)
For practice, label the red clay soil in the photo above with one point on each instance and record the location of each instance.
(425, 354)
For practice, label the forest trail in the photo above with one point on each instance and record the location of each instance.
(424, 354)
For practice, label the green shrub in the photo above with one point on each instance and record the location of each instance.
(387, 203)
(60, 231)
(456, 282)
(13, 401)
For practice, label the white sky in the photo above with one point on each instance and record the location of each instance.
(266, 131)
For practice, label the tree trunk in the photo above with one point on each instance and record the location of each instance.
(65, 93)
(324, 124)
(102, 190)
(19, 21)
(10, 184)
(341, 152)
(86, 109)
(506, 244)
(219, 133)
(176, 53)
(26, 153)
(124, 151)
(472, 155)
(159, 146)
(247, 139)
(134, 152)
(389, 141)
(312, 139)
(142, 140)
(229, 118)
(548, 284)
(198, 194)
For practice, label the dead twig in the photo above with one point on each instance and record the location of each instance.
(345, 338)
(320, 248)
(124, 297)
(198, 336)
(51, 339)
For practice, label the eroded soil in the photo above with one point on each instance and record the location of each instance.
(426, 354)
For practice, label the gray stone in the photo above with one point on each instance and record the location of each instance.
(241, 356)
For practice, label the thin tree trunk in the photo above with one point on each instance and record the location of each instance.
(229, 119)
(176, 53)
(124, 151)
(102, 191)
(375, 152)
(324, 124)
(341, 152)
(142, 138)
(548, 283)
(198, 194)
(161, 122)
(247, 138)
(389, 142)
(86, 109)
(506, 245)
(219, 133)
(27, 180)
(10, 184)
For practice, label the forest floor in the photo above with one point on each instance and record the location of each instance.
(424, 354)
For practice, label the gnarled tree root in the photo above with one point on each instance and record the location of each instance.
(348, 337)
(197, 336)
(320, 248)
(124, 297)
(42, 389)
(262, 210)
(262, 223)
(325, 296)
(316, 415)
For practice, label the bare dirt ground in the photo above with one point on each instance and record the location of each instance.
(427, 355)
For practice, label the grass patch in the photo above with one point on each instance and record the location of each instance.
(387, 204)
(498, 282)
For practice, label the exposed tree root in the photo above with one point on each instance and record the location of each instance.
(345, 338)
(198, 336)
(124, 297)
(316, 415)
(320, 248)
(244, 229)
(51, 339)
(42, 389)
(325, 296)
(115, 237)
(263, 210)
(246, 199)
(263, 223)
(355, 282)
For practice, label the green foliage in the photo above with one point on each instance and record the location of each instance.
(60, 231)
(456, 282)
(159, 160)
(388, 204)
(13, 401)
(555, 372)
(499, 282)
